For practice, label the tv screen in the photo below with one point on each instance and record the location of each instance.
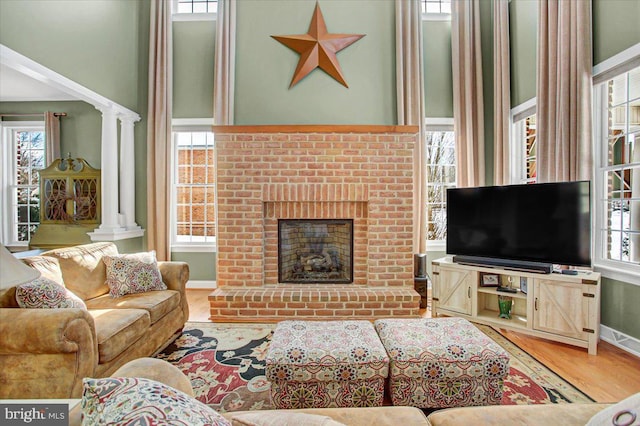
(546, 223)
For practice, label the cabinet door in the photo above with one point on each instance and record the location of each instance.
(454, 290)
(567, 309)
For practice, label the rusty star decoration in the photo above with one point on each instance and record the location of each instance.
(318, 48)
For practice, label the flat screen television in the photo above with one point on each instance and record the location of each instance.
(526, 227)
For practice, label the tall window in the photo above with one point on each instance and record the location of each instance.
(618, 171)
(195, 6)
(24, 146)
(441, 174)
(193, 218)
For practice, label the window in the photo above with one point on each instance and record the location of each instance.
(441, 174)
(194, 10)
(523, 142)
(436, 6)
(617, 124)
(24, 142)
(193, 215)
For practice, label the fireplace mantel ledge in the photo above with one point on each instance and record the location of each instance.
(315, 128)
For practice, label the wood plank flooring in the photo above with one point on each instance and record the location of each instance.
(610, 376)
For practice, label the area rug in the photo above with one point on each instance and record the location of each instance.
(226, 366)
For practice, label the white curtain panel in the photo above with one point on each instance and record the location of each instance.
(159, 130)
(564, 135)
(468, 111)
(501, 92)
(52, 137)
(223, 87)
(410, 95)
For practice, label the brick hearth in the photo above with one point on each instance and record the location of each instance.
(266, 173)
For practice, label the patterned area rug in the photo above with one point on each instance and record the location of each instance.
(225, 363)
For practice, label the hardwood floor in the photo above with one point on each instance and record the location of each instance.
(610, 376)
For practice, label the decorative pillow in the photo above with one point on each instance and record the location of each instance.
(625, 412)
(281, 418)
(141, 402)
(45, 293)
(133, 273)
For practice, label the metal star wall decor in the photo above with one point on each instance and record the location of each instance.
(318, 48)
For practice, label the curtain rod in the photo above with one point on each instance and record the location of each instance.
(57, 114)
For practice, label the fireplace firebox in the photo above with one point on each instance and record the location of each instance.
(312, 251)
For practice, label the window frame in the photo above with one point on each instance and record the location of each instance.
(430, 16)
(8, 172)
(187, 126)
(186, 16)
(602, 73)
(442, 124)
(517, 139)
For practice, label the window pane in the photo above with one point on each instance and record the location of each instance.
(634, 84)
(618, 90)
(195, 189)
(440, 153)
(197, 6)
(622, 185)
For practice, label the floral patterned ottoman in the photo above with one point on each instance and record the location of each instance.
(442, 362)
(319, 364)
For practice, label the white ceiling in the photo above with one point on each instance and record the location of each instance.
(16, 86)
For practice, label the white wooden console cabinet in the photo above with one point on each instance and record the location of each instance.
(564, 308)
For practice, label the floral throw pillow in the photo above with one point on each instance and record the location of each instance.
(142, 402)
(48, 294)
(133, 273)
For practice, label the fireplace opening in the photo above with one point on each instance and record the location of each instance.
(314, 251)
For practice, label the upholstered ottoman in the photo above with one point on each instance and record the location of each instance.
(442, 362)
(319, 364)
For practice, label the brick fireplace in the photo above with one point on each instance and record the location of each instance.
(360, 173)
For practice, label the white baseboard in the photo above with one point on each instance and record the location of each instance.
(621, 340)
(201, 285)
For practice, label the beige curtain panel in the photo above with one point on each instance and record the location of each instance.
(468, 111)
(52, 136)
(501, 93)
(159, 130)
(564, 91)
(224, 83)
(410, 94)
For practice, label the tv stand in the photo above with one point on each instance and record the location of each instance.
(559, 307)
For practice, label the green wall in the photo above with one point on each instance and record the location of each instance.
(193, 73)
(438, 76)
(94, 43)
(523, 30)
(80, 130)
(264, 67)
(616, 27)
(202, 266)
(619, 304)
(100, 44)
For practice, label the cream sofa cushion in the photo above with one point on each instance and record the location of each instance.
(117, 329)
(83, 270)
(157, 303)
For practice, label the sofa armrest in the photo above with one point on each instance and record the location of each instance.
(175, 275)
(45, 331)
(45, 353)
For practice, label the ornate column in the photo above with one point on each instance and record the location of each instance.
(127, 174)
(109, 167)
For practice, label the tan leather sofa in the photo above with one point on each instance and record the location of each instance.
(45, 353)
(528, 415)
